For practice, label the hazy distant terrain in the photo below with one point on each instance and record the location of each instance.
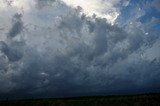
(135, 100)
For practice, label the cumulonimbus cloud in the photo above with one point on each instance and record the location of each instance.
(66, 53)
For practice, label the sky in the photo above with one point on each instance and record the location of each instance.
(69, 48)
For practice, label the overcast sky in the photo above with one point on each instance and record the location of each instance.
(60, 48)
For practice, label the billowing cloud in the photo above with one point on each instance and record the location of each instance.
(53, 49)
(102, 8)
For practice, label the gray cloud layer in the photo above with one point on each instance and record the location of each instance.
(67, 54)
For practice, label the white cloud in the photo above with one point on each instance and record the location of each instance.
(24, 4)
(101, 8)
(17, 4)
(3, 5)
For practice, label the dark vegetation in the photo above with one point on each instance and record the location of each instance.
(132, 100)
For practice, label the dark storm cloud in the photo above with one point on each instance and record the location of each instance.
(11, 51)
(15, 52)
(82, 56)
(72, 23)
(14, 49)
(3, 46)
(17, 25)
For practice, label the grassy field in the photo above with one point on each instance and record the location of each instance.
(132, 100)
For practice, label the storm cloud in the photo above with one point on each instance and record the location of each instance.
(54, 49)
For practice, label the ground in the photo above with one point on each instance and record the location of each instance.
(131, 100)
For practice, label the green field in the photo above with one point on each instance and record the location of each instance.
(132, 100)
